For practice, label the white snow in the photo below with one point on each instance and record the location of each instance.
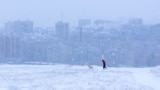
(68, 77)
(144, 76)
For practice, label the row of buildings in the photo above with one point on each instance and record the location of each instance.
(87, 41)
(13, 33)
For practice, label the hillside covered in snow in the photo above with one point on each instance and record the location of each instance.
(70, 77)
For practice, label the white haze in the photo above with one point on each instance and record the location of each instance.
(47, 12)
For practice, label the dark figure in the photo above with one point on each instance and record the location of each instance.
(104, 64)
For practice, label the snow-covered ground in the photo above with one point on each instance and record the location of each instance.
(68, 77)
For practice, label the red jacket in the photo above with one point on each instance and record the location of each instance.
(104, 63)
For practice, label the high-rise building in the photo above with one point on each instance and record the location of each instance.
(136, 22)
(9, 46)
(84, 22)
(19, 27)
(62, 30)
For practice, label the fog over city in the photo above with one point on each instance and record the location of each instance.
(79, 44)
(47, 13)
(125, 33)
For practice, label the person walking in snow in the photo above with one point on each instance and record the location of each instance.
(104, 64)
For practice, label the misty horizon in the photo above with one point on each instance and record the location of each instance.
(76, 23)
(123, 30)
(47, 13)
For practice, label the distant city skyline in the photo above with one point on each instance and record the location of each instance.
(45, 13)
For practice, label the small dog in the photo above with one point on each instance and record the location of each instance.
(90, 67)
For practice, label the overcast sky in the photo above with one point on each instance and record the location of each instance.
(47, 12)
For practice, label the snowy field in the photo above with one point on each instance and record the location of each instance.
(67, 77)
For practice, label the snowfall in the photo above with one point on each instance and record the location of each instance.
(75, 77)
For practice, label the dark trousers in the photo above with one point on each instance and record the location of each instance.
(104, 66)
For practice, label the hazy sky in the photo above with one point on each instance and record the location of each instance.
(47, 12)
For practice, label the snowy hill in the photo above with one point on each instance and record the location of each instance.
(67, 77)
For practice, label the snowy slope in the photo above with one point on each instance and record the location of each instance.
(67, 77)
